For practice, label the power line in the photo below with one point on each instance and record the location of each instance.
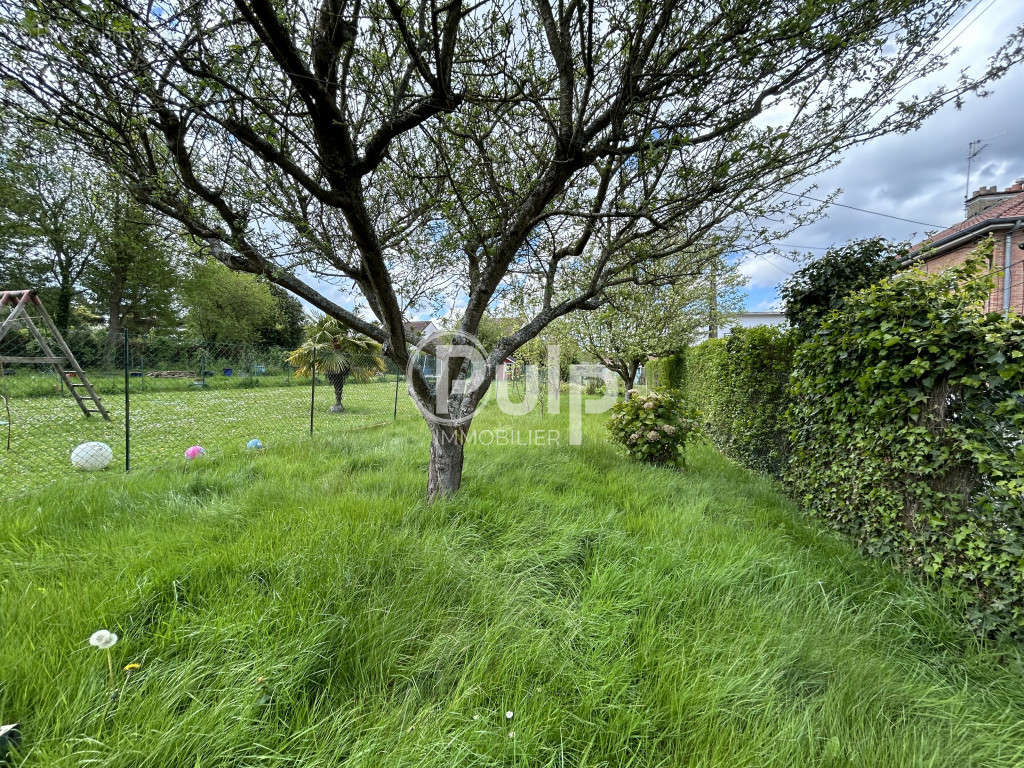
(866, 210)
(804, 247)
(938, 42)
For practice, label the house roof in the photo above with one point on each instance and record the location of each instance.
(414, 329)
(1006, 212)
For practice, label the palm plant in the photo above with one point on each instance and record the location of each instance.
(337, 354)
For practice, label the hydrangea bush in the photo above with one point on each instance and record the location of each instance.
(655, 427)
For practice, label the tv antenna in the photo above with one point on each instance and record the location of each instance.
(973, 150)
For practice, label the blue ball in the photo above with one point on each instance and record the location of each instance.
(254, 445)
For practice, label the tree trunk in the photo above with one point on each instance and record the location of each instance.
(337, 380)
(113, 324)
(444, 473)
(713, 302)
(626, 372)
(65, 292)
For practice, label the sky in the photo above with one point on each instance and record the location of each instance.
(920, 175)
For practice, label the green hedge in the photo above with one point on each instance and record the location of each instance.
(755, 397)
(704, 372)
(908, 434)
(667, 372)
(740, 385)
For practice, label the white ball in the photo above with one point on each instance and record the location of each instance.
(91, 456)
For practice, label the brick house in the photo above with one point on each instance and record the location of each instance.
(989, 212)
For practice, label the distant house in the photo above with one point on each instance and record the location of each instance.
(415, 332)
(989, 212)
(745, 320)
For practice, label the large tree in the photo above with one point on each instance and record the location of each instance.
(290, 321)
(51, 218)
(134, 276)
(408, 147)
(227, 308)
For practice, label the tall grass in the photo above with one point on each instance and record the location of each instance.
(304, 607)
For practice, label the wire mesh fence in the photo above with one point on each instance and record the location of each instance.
(145, 401)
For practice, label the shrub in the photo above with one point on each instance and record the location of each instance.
(907, 430)
(668, 372)
(704, 371)
(751, 426)
(654, 428)
(822, 285)
(740, 385)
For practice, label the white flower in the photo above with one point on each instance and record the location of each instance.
(101, 638)
(476, 717)
(511, 734)
(509, 715)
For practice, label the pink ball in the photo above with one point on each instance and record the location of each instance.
(195, 452)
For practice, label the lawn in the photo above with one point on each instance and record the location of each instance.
(165, 421)
(304, 607)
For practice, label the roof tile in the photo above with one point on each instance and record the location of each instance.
(1008, 209)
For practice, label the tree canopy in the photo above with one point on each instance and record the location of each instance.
(226, 307)
(642, 322)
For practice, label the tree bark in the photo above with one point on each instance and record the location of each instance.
(631, 370)
(626, 372)
(444, 473)
(66, 290)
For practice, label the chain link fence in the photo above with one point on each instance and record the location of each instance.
(142, 402)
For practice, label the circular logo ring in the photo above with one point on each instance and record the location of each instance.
(432, 360)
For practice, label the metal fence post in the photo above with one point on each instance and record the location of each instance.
(398, 378)
(127, 408)
(312, 389)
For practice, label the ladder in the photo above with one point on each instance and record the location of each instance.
(65, 365)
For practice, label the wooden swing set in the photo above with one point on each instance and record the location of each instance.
(68, 370)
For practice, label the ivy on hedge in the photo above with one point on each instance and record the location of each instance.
(907, 433)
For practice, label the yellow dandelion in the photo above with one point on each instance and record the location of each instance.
(132, 667)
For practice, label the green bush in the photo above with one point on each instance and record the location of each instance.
(907, 428)
(740, 384)
(821, 286)
(668, 372)
(704, 370)
(655, 427)
(755, 397)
